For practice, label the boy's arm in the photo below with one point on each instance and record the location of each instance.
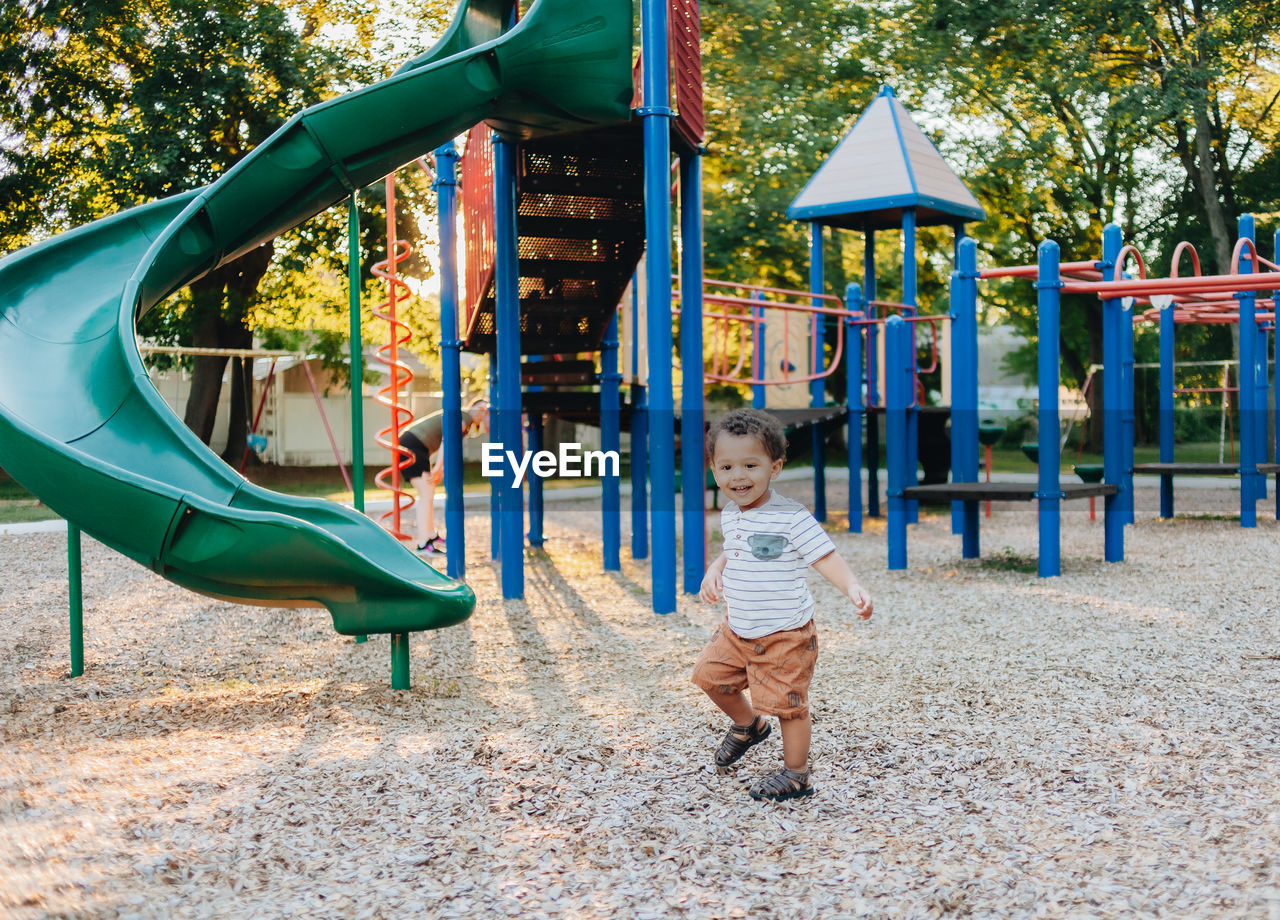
(712, 584)
(834, 569)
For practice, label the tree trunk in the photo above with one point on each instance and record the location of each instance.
(220, 301)
(206, 370)
(1212, 200)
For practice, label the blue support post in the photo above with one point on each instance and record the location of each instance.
(909, 297)
(1129, 418)
(1167, 358)
(692, 462)
(1049, 484)
(964, 387)
(1260, 398)
(1275, 341)
(656, 116)
(957, 507)
(1112, 403)
(817, 388)
(873, 373)
(507, 326)
(1261, 402)
(898, 353)
(536, 504)
(1248, 388)
(639, 438)
(639, 472)
(853, 404)
(446, 186)
(610, 440)
(758, 398)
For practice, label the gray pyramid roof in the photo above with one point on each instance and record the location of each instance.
(884, 165)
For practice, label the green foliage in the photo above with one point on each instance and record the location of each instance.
(780, 77)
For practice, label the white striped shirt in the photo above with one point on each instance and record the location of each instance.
(767, 551)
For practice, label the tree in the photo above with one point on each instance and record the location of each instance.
(782, 80)
(112, 104)
(1074, 111)
(109, 103)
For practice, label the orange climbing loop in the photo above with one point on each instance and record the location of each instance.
(399, 375)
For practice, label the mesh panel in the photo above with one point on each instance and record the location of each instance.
(581, 218)
(576, 165)
(583, 207)
(539, 247)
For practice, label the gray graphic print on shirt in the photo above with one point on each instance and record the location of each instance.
(767, 545)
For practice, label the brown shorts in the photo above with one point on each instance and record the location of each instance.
(777, 667)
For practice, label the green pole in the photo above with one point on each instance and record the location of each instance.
(357, 365)
(75, 594)
(357, 361)
(399, 661)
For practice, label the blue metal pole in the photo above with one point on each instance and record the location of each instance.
(817, 388)
(1129, 418)
(897, 359)
(909, 297)
(446, 186)
(536, 504)
(758, 398)
(1275, 342)
(957, 507)
(610, 440)
(873, 374)
(964, 386)
(507, 333)
(1248, 388)
(1260, 401)
(639, 472)
(1049, 485)
(1112, 403)
(639, 438)
(1167, 358)
(692, 461)
(656, 116)
(854, 405)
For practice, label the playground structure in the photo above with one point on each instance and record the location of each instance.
(553, 228)
(558, 208)
(115, 462)
(1208, 298)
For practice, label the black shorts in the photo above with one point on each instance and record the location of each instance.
(421, 456)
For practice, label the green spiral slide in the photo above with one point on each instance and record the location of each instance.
(83, 428)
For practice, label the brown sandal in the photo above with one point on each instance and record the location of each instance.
(738, 740)
(782, 785)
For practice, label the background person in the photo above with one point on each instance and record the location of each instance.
(424, 438)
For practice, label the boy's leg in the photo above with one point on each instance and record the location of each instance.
(795, 742)
(424, 507)
(735, 705)
(719, 671)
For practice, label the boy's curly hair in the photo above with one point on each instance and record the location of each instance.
(750, 423)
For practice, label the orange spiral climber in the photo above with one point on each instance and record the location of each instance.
(399, 372)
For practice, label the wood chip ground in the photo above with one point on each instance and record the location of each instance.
(1099, 745)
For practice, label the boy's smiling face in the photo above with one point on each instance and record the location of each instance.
(743, 469)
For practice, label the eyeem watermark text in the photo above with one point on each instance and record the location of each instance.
(571, 462)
